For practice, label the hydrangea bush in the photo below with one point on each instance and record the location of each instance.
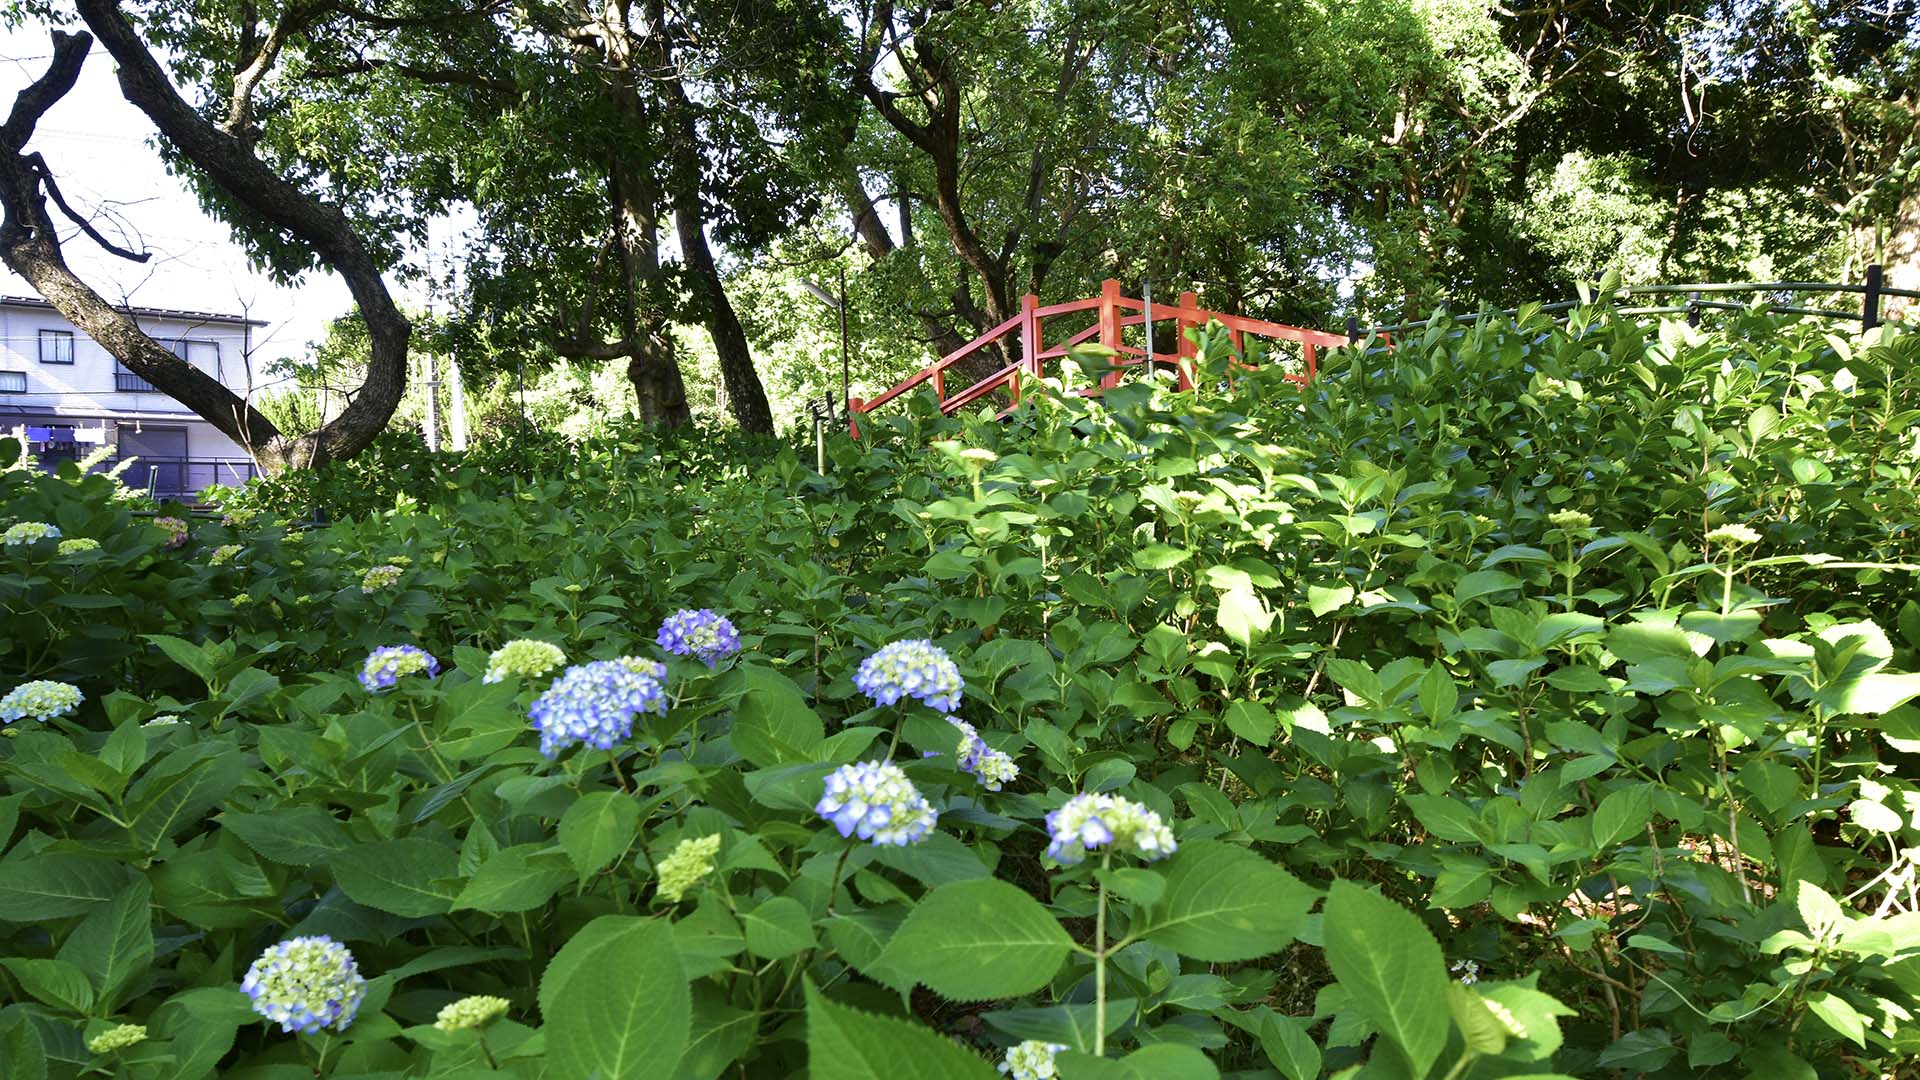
(1530, 701)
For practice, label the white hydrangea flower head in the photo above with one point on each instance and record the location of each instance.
(524, 657)
(41, 699)
(225, 554)
(687, 865)
(77, 545)
(380, 577)
(1090, 822)
(471, 1012)
(1734, 536)
(1031, 1060)
(1570, 520)
(117, 1038)
(29, 532)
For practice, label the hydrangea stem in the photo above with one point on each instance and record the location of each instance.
(894, 743)
(1100, 962)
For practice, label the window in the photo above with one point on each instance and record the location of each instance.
(56, 346)
(13, 382)
(127, 382)
(204, 355)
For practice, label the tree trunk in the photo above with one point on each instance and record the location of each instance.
(30, 245)
(745, 394)
(602, 44)
(1901, 254)
(660, 394)
(230, 162)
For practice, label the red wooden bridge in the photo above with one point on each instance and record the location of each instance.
(1112, 315)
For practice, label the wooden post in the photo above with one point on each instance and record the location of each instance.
(1187, 317)
(940, 385)
(1029, 343)
(855, 406)
(1312, 353)
(1110, 326)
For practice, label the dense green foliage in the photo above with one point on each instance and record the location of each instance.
(1493, 744)
(667, 191)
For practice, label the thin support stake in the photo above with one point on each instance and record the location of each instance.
(1870, 300)
(846, 380)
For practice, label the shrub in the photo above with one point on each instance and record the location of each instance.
(1525, 700)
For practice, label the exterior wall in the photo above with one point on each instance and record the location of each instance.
(100, 401)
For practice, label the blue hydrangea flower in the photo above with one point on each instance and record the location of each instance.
(700, 633)
(914, 669)
(1089, 822)
(41, 699)
(306, 984)
(994, 768)
(387, 663)
(875, 800)
(595, 703)
(1031, 1060)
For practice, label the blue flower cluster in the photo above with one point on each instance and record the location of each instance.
(595, 703)
(1088, 822)
(994, 768)
(913, 669)
(701, 634)
(875, 800)
(306, 984)
(387, 663)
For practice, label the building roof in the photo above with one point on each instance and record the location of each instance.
(146, 312)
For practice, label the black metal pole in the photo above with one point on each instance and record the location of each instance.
(1870, 301)
(1693, 309)
(1353, 329)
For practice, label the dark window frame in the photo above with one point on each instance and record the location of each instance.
(57, 336)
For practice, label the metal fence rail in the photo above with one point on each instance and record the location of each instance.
(1872, 292)
(170, 477)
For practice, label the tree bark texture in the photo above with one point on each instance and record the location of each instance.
(746, 396)
(228, 159)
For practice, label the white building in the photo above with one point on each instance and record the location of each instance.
(68, 396)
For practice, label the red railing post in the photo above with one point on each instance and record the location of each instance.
(855, 406)
(1312, 353)
(1110, 326)
(1187, 317)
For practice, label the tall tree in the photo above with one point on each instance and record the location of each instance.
(222, 155)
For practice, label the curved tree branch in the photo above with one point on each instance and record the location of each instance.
(30, 246)
(229, 162)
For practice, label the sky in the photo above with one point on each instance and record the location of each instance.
(99, 148)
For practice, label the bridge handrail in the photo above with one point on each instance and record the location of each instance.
(1112, 318)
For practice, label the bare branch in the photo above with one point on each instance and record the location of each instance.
(39, 166)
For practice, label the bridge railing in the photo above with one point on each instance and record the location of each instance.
(1112, 315)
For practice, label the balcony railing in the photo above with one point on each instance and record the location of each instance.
(169, 477)
(129, 383)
